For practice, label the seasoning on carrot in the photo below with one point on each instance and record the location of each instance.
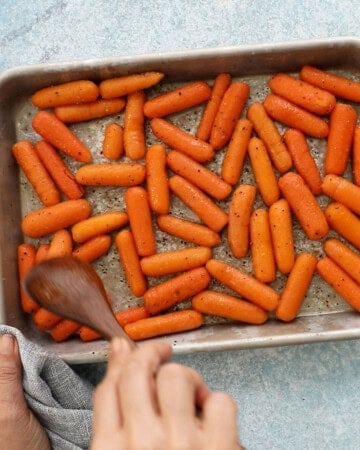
(356, 156)
(64, 329)
(118, 174)
(157, 180)
(344, 222)
(99, 224)
(61, 245)
(134, 130)
(89, 111)
(113, 143)
(175, 290)
(41, 252)
(344, 257)
(304, 205)
(45, 319)
(342, 191)
(127, 84)
(296, 287)
(26, 255)
(93, 248)
(36, 173)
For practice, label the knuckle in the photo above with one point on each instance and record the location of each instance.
(8, 373)
(224, 400)
(173, 371)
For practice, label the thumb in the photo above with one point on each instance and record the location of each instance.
(10, 372)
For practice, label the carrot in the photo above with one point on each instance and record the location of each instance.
(200, 176)
(157, 180)
(89, 111)
(286, 112)
(93, 248)
(53, 218)
(344, 257)
(122, 174)
(60, 136)
(178, 139)
(113, 144)
(188, 231)
(184, 97)
(303, 161)
(221, 83)
(356, 156)
(41, 252)
(130, 262)
(304, 205)
(120, 86)
(60, 245)
(73, 92)
(340, 281)
(303, 94)
(235, 154)
(138, 210)
(229, 307)
(134, 130)
(96, 225)
(174, 322)
(263, 171)
(59, 172)
(36, 173)
(211, 214)
(26, 255)
(342, 191)
(342, 127)
(282, 235)
(173, 261)
(64, 329)
(243, 284)
(262, 254)
(296, 287)
(339, 86)
(173, 291)
(270, 135)
(230, 108)
(45, 320)
(344, 222)
(241, 205)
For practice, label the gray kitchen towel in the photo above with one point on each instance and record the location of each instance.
(59, 398)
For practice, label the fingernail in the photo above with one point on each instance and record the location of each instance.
(7, 344)
(119, 346)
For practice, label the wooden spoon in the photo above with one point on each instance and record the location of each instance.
(72, 289)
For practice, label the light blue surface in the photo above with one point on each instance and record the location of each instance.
(303, 397)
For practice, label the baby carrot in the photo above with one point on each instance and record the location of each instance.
(303, 161)
(173, 261)
(173, 322)
(343, 221)
(286, 112)
(230, 108)
(45, 320)
(60, 136)
(41, 252)
(134, 130)
(120, 86)
(113, 144)
(93, 248)
(121, 174)
(270, 135)
(229, 307)
(263, 171)
(339, 142)
(178, 139)
(35, 172)
(210, 213)
(240, 209)
(53, 218)
(88, 111)
(282, 235)
(59, 172)
(157, 180)
(340, 281)
(221, 83)
(356, 156)
(100, 224)
(296, 287)
(339, 86)
(235, 154)
(73, 92)
(245, 285)
(181, 287)
(138, 210)
(342, 191)
(262, 253)
(26, 255)
(305, 95)
(64, 329)
(188, 231)
(184, 97)
(130, 262)
(344, 257)
(60, 245)
(304, 205)
(200, 176)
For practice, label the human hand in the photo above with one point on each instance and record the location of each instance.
(145, 402)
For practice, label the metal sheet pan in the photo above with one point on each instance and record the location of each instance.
(324, 316)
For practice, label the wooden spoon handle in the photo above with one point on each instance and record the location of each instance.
(110, 328)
